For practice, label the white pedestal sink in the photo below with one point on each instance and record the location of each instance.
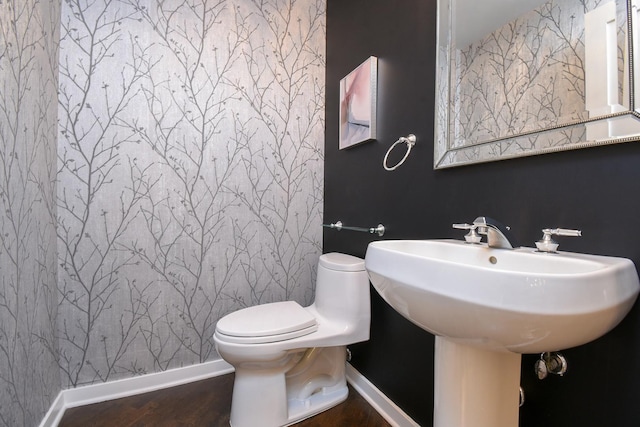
(488, 306)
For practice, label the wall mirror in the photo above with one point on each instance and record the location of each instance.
(526, 77)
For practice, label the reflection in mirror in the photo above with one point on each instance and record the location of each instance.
(517, 78)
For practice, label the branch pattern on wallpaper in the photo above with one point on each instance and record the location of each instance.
(190, 178)
(92, 225)
(194, 212)
(29, 378)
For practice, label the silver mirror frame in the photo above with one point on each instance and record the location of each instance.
(566, 136)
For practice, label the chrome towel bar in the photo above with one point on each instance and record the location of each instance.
(339, 226)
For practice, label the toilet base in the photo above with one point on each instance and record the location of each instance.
(300, 386)
(320, 402)
(301, 410)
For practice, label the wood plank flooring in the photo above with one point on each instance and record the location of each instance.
(203, 403)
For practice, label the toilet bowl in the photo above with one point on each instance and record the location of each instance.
(290, 360)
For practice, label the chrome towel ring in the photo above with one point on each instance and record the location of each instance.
(410, 140)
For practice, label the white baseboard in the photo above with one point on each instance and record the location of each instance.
(54, 414)
(95, 393)
(381, 403)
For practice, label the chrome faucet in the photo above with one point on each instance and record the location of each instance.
(498, 235)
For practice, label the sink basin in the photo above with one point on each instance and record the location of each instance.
(519, 300)
(488, 306)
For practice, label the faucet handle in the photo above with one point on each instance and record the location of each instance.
(547, 244)
(471, 236)
(464, 226)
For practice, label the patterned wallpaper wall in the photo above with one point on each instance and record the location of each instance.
(190, 174)
(188, 183)
(29, 377)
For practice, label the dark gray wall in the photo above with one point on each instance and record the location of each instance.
(595, 190)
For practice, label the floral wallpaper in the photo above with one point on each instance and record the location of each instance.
(188, 182)
(29, 378)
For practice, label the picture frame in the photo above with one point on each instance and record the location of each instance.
(358, 98)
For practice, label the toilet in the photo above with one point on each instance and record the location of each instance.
(290, 360)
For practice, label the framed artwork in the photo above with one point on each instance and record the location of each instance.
(358, 104)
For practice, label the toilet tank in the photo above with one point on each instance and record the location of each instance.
(342, 290)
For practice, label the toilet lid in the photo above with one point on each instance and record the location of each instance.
(272, 322)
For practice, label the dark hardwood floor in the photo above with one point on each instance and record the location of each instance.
(203, 403)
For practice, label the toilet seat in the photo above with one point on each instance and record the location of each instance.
(278, 321)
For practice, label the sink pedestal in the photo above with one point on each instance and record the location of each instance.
(481, 302)
(475, 387)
